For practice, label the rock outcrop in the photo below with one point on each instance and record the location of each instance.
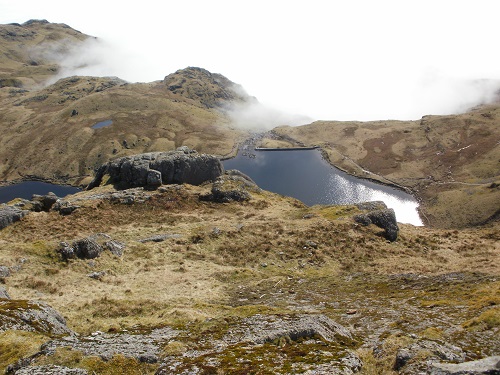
(3, 293)
(233, 186)
(31, 316)
(90, 247)
(485, 366)
(9, 215)
(150, 170)
(210, 89)
(384, 218)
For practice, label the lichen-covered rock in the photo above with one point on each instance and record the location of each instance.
(31, 316)
(233, 186)
(153, 169)
(4, 271)
(9, 215)
(428, 349)
(44, 202)
(260, 329)
(384, 218)
(50, 370)
(144, 347)
(485, 366)
(90, 247)
(3, 293)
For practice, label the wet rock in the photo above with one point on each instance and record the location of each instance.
(31, 316)
(3, 293)
(385, 219)
(485, 366)
(9, 215)
(183, 166)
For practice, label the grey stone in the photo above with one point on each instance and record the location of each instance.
(385, 219)
(44, 202)
(143, 347)
(115, 247)
(31, 316)
(50, 370)
(97, 275)
(153, 179)
(87, 248)
(175, 167)
(3, 293)
(9, 215)
(4, 271)
(485, 366)
(234, 186)
(260, 329)
(160, 237)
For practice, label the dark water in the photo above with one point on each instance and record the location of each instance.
(305, 175)
(27, 189)
(102, 124)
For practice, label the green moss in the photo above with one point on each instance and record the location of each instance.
(15, 345)
(488, 319)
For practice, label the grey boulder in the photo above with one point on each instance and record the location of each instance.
(150, 170)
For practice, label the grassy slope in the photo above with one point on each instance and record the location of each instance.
(220, 275)
(449, 162)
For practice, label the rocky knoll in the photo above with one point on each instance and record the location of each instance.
(154, 169)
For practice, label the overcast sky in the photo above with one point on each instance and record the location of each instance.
(331, 60)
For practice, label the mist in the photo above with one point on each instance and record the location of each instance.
(336, 60)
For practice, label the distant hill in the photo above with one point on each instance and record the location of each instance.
(52, 125)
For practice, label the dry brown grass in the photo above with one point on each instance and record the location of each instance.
(449, 162)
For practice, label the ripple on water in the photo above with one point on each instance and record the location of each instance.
(305, 175)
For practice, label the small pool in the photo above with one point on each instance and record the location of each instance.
(102, 124)
(26, 190)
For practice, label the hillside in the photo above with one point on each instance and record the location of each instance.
(451, 163)
(187, 281)
(148, 274)
(189, 107)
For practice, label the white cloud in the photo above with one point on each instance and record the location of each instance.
(326, 59)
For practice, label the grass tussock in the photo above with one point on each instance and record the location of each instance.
(15, 345)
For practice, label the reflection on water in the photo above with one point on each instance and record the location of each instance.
(28, 188)
(305, 175)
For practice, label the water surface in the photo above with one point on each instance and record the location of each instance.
(305, 175)
(28, 188)
(102, 124)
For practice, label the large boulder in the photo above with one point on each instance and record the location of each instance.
(233, 186)
(155, 168)
(31, 316)
(382, 217)
(90, 247)
(9, 215)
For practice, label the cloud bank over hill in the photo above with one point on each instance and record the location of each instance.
(336, 60)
